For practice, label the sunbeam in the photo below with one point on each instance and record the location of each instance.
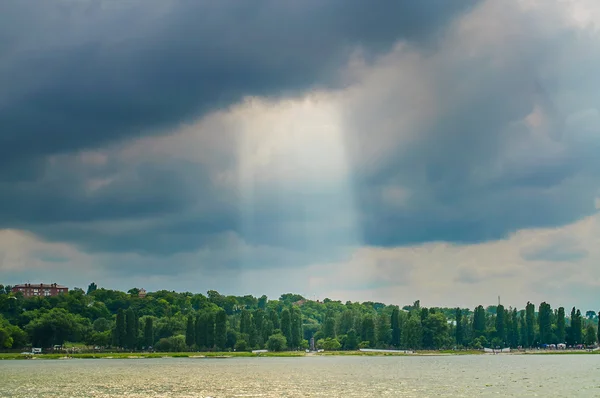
(294, 151)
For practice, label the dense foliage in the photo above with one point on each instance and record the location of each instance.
(170, 321)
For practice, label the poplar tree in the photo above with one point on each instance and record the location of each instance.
(286, 325)
(258, 321)
(479, 321)
(209, 324)
(500, 323)
(368, 330)
(598, 337)
(200, 333)
(296, 325)
(120, 331)
(131, 331)
(149, 332)
(560, 325)
(514, 342)
(245, 322)
(529, 322)
(412, 333)
(578, 328)
(329, 326)
(383, 331)
(545, 323)
(220, 329)
(190, 335)
(523, 329)
(395, 324)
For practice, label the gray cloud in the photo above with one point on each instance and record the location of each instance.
(565, 250)
(476, 172)
(472, 172)
(77, 74)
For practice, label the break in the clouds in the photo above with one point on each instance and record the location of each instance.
(389, 152)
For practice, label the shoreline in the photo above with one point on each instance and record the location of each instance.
(282, 354)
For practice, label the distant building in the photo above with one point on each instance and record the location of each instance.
(40, 289)
(142, 293)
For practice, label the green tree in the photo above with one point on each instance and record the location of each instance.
(346, 322)
(286, 325)
(412, 333)
(148, 332)
(120, 332)
(329, 326)
(479, 321)
(598, 339)
(173, 344)
(590, 335)
(351, 342)
(100, 339)
(435, 331)
(102, 325)
(514, 331)
(262, 302)
(329, 344)
(275, 319)
(131, 329)
(92, 288)
(529, 322)
(190, 331)
(210, 330)
(245, 322)
(258, 319)
(6, 340)
(571, 328)
(522, 329)
(545, 323)
(459, 331)
(577, 326)
(296, 326)
(500, 324)
(395, 325)
(384, 331)
(200, 333)
(560, 325)
(368, 330)
(277, 342)
(54, 328)
(220, 329)
(252, 333)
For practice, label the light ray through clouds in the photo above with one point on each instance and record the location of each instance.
(295, 151)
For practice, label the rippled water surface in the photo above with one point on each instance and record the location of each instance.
(451, 376)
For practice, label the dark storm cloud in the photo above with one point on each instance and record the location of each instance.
(477, 172)
(80, 74)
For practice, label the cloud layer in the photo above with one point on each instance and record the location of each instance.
(386, 144)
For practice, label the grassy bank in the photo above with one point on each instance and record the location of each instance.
(141, 355)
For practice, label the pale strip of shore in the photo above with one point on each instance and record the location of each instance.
(283, 354)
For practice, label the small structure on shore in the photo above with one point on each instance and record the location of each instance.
(496, 351)
(390, 351)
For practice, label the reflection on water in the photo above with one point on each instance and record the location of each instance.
(458, 376)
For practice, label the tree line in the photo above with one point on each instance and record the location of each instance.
(171, 321)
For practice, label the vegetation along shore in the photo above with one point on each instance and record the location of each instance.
(104, 323)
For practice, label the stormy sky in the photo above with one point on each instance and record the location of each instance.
(447, 151)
